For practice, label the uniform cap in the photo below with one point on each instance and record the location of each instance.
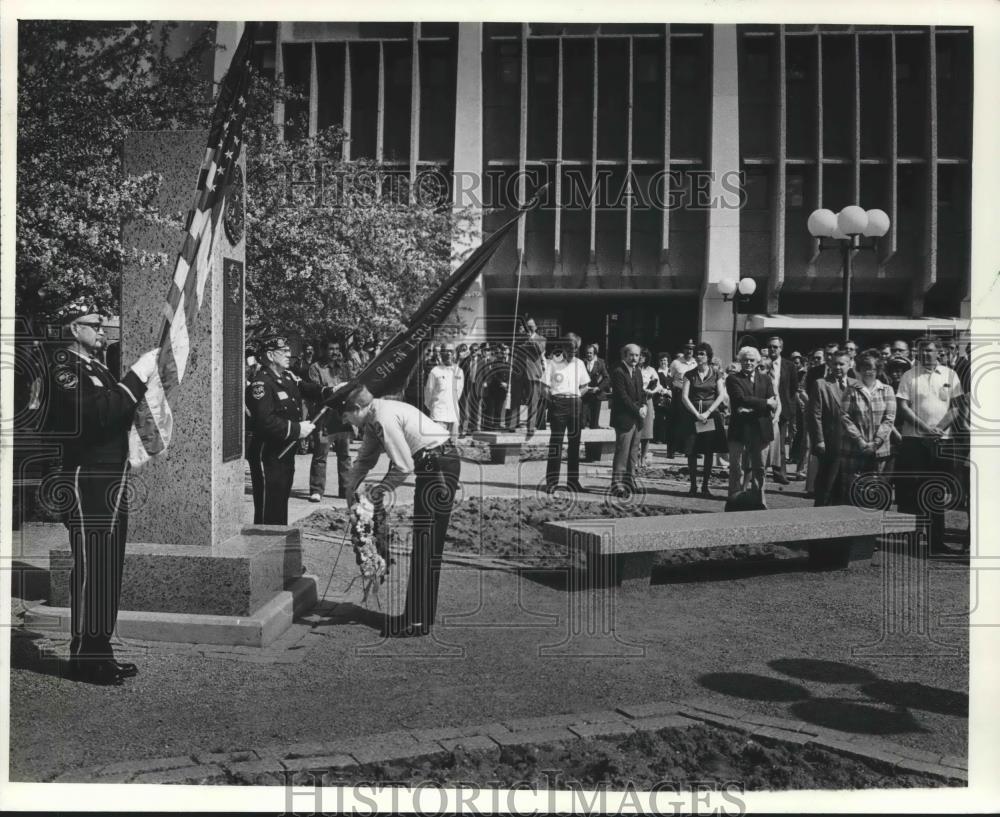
(71, 313)
(273, 342)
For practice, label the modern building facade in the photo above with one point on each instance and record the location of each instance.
(677, 156)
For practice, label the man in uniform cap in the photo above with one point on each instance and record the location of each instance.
(416, 445)
(274, 403)
(91, 410)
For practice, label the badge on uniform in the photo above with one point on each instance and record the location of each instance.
(257, 391)
(282, 395)
(67, 378)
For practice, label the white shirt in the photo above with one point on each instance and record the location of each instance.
(442, 391)
(678, 368)
(566, 376)
(929, 394)
(399, 429)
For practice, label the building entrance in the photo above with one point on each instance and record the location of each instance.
(658, 322)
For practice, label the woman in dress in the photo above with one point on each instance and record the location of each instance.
(651, 386)
(661, 425)
(702, 430)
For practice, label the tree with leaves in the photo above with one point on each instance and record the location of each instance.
(347, 260)
(82, 86)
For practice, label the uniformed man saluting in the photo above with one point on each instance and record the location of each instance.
(415, 444)
(91, 411)
(274, 403)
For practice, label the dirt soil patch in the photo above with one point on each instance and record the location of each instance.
(676, 758)
(511, 528)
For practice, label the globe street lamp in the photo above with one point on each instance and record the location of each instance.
(849, 230)
(736, 292)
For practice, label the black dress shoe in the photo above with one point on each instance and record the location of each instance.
(693, 491)
(407, 630)
(780, 478)
(126, 669)
(101, 673)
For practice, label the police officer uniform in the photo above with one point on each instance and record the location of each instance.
(274, 406)
(90, 411)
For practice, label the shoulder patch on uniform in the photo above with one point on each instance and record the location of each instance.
(66, 377)
(257, 391)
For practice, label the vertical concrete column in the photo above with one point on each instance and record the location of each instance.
(723, 245)
(468, 170)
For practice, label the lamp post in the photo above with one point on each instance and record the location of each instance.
(849, 229)
(736, 292)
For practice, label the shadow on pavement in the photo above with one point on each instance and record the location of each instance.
(848, 716)
(753, 687)
(25, 654)
(335, 614)
(828, 672)
(919, 696)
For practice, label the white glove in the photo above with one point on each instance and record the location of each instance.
(306, 428)
(146, 365)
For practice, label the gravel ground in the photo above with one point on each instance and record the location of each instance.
(511, 644)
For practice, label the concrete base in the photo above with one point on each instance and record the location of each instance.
(257, 630)
(235, 578)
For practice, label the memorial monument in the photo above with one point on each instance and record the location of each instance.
(193, 571)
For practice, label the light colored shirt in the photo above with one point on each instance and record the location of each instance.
(678, 368)
(400, 430)
(566, 376)
(648, 373)
(442, 391)
(929, 393)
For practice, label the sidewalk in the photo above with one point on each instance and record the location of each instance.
(508, 645)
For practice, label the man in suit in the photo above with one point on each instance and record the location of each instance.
(496, 385)
(628, 411)
(785, 380)
(751, 401)
(825, 426)
(598, 386)
(825, 369)
(529, 371)
(470, 404)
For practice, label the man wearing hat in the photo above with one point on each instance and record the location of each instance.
(274, 402)
(416, 445)
(91, 411)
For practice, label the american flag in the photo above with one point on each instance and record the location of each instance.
(153, 427)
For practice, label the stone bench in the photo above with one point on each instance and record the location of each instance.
(621, 552)
(598, 443)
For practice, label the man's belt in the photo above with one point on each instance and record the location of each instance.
(433, 451)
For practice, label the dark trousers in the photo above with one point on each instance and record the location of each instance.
(434, 495)
(564, 417)
(321, 449)
(98, 522)
(828, 478)
(918, 465)
(493, 413)
(471, 410)
(271, 481)
(591, 411)
(529, 394)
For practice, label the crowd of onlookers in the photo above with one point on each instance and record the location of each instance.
(858, 426)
